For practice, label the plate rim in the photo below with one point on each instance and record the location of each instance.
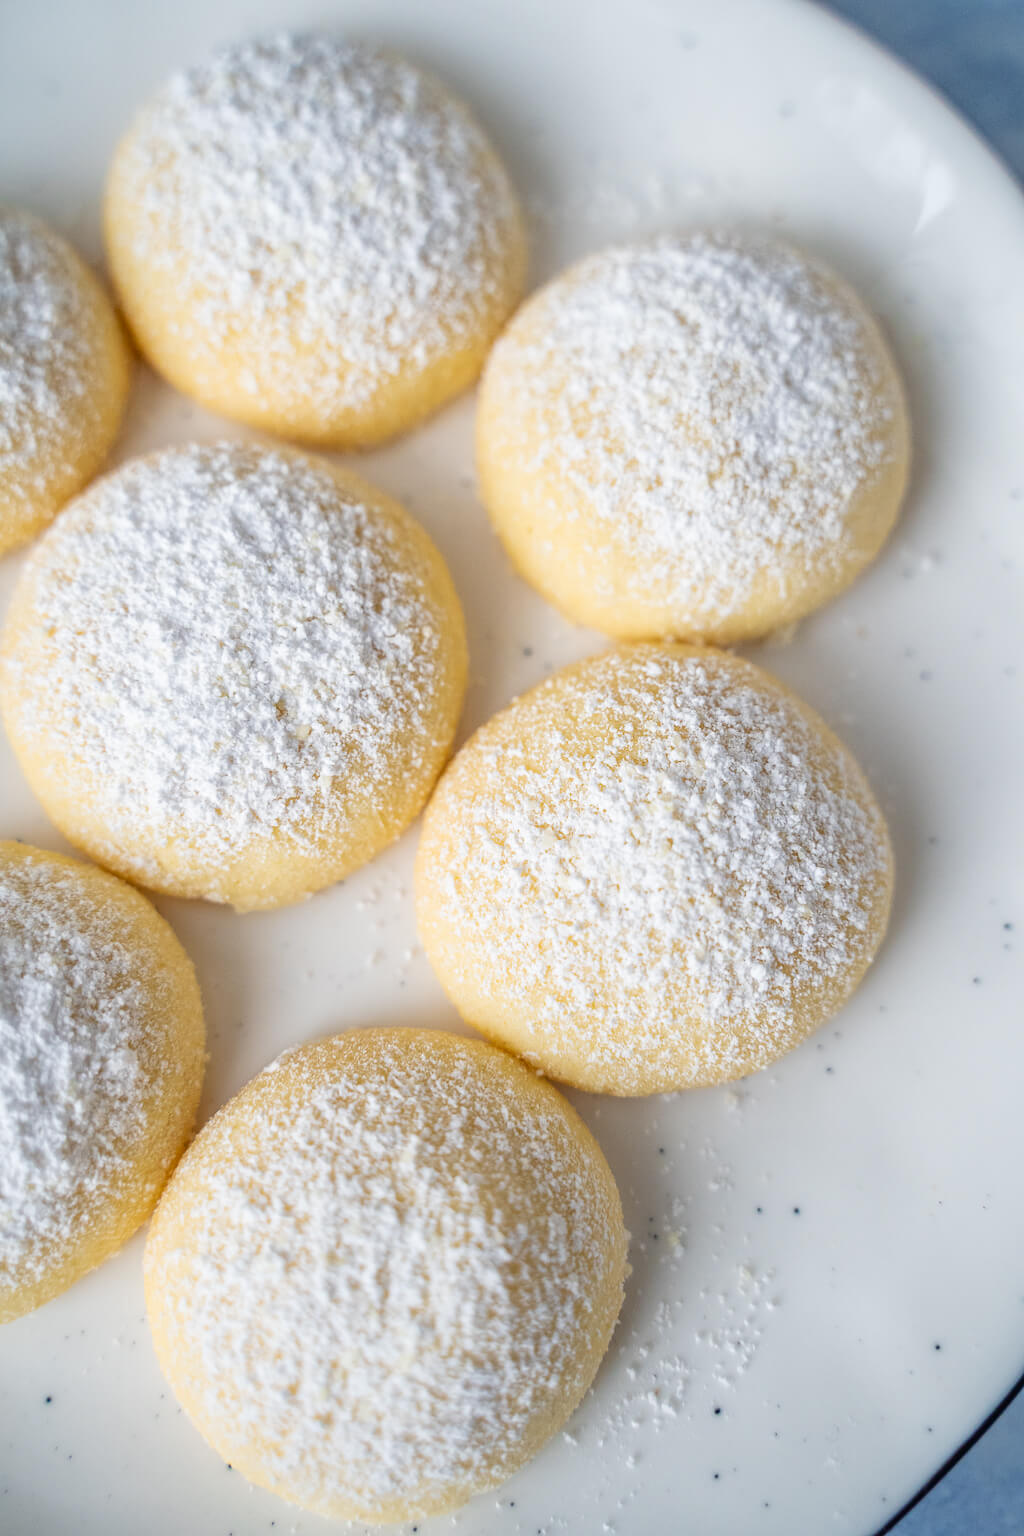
(1014, 184)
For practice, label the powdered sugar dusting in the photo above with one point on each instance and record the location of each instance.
(74, 1073)
(226, 646)
(322, 198)
(47, 352)
(714, 401)
(658, 857)
(381, 1274)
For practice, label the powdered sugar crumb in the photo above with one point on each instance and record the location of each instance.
(696, 1344)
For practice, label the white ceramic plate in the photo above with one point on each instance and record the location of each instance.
(828, 1287)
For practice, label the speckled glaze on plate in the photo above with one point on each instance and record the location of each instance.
(828, 1286)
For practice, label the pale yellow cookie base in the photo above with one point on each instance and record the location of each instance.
(588, 567)
(277, 386)
(171, 1036)
(682, 1047)
(68, 453)
(263, 872)
(179, 1237)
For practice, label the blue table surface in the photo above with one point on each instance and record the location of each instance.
(973, 50)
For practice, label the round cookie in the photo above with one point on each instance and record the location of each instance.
(703, 436)
(313, 236)
(657, 870)
(386, 1273)
(101, 1063)
(233, 672)
(64, 375)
